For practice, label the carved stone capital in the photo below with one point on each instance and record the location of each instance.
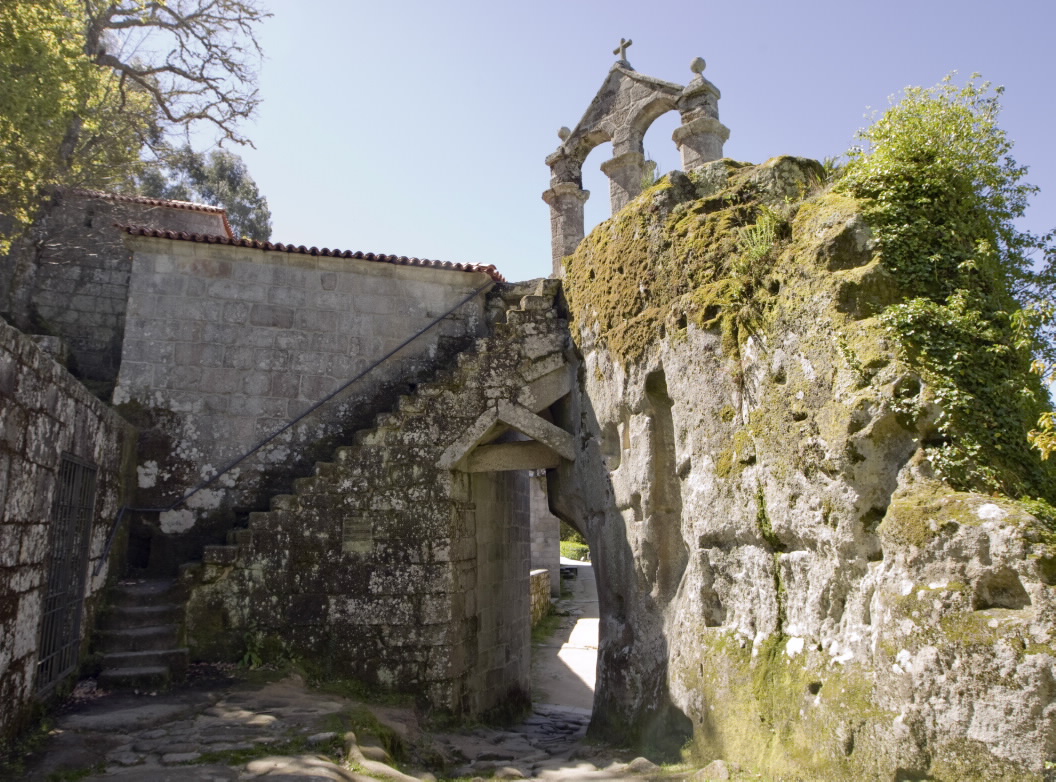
(700, 141)
(625, 173)
(700, 126)
(619, 163)
(562, 192)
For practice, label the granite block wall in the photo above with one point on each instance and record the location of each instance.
(540, 595)
(45, 414)
(73, 283)
(403, 561)
(501, 670)
(225, 345)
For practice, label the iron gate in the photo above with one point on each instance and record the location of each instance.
(71, 524)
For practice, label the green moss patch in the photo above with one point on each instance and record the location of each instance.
(660, 264)
(774, 713)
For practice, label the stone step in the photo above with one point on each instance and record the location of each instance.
(305, 485)
(370, 436)
(278, 502)
(537, 303)
(348, 453)
(174, 660)
(410, 404)
(520, 317)
(387, 421)
(327, 470)
(429, 391)
(517, 291)
(155, 677)
(464, 359)
(220, 555)
(241, 536)
(138, 639)
(547, 286)
(143, 592)
(130, 617)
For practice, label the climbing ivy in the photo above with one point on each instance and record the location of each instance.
(942, 194)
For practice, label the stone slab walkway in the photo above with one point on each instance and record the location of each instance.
(224, 729)
(564, 666)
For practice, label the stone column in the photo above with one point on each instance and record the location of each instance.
(566, 201)
(701, 136)
(625, 173)
(700, 141)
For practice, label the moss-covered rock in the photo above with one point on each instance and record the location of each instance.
(841, 607)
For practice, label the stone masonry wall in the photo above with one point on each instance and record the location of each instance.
(225, 345)
(503, 563)
(76, 286)
(540, 599)
(403, 561)
(782, 577)
(546, 534)
(44, 414)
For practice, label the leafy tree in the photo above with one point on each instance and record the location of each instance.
(202, 69)
(86, 84)
(219, 178)
(942, 193)
(60, 117)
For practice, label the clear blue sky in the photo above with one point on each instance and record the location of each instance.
(420, 127)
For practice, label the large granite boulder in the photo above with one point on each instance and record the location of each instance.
(785, 580)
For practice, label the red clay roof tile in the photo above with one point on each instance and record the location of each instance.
(398, 260)
(164, 202)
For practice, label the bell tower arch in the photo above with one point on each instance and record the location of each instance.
(621, 112)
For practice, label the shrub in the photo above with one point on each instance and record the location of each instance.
(942, 194)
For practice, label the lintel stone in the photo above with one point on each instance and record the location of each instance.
(530, 455)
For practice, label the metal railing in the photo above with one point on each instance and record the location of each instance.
(289, 425)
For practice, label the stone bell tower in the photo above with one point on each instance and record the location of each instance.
(622, 111)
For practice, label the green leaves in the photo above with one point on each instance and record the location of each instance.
(939, 175)
(82, 92)
(45, 81)
(942, 195)
(219, 178)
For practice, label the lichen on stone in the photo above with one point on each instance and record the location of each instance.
(845, 602)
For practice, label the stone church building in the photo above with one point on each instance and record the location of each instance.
(213, 447)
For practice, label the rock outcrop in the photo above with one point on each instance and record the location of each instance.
(783, 576)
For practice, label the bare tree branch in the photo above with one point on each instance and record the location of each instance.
(202, 62)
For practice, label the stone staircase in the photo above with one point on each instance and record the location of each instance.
(351, 505)
(381, 561)
(406, 426)
(139, 637)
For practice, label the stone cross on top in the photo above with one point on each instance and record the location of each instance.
(621, 50)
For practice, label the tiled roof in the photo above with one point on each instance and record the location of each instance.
(146, 201)
(398, 260)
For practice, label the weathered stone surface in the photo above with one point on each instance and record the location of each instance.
(783, 579)
(626, 105)
(212, 369)
(539, 583)
(77, 286)
(46, 415)
(405, 562)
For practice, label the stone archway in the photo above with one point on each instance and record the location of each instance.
(621, 112)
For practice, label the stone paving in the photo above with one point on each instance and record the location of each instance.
(221, 729)
(564, 665)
